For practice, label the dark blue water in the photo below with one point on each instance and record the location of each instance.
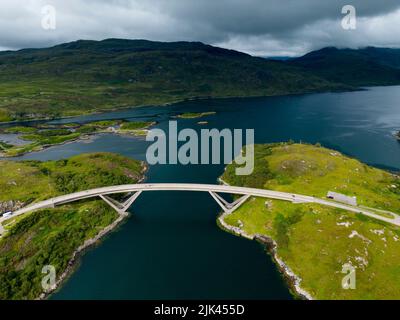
(171, 247)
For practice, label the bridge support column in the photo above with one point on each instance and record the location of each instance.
(225, 205)
(121, 208)
(131, 200)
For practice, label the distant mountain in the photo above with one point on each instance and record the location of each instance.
(357, 67)
(385, 56)
(89, 76)
(279, 58)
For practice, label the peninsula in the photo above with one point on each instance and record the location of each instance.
(310, 243)
(41, 136)
(55, 236)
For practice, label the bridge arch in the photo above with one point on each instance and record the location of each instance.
(214, 190)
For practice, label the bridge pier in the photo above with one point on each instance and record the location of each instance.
(226, 206)
(121, 208)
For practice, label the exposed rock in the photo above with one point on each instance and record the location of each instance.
(10, 205)
(292, 279)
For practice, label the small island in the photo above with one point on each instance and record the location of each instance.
(41, 136)
(136, 128)
(397, 135)
(194, 115)
(55, 236)
(311, 243)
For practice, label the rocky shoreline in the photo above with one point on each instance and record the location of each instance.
(10, 205)
(90, 242)
(79, 251)
(291, 278)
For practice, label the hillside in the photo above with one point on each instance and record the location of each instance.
(89, 76)
(316, 241)
(361, 67)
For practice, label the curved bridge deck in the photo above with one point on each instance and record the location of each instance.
(214, 191)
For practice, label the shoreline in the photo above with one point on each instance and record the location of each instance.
(86, 137)
(174, 102)
(293, 281)
(78, 253)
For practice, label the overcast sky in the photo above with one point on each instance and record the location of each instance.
(258, 27)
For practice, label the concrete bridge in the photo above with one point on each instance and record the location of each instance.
(214, 190)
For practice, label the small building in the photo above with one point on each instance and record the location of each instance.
(342, 198)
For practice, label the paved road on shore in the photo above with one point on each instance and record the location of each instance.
(262, 193)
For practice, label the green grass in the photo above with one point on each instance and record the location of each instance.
(135, 125)
(29, 181)
(104, 124)
(194, 115)
(46, 237)
(315, 240)
(5, 146)
(20, 129)
(5, 116)
(50, 236)
(54, 132)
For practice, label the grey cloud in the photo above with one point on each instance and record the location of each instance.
(266, 16)
(262, 27)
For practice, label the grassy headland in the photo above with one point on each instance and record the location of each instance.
(316, 241)
(51, 236)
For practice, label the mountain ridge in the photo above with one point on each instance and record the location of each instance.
(87, 76)
(367, 66)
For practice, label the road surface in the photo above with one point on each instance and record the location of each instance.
(213, 189)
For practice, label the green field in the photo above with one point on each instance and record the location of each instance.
(50, 236)
(316, 241)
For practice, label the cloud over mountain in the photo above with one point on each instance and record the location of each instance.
(261, 27)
